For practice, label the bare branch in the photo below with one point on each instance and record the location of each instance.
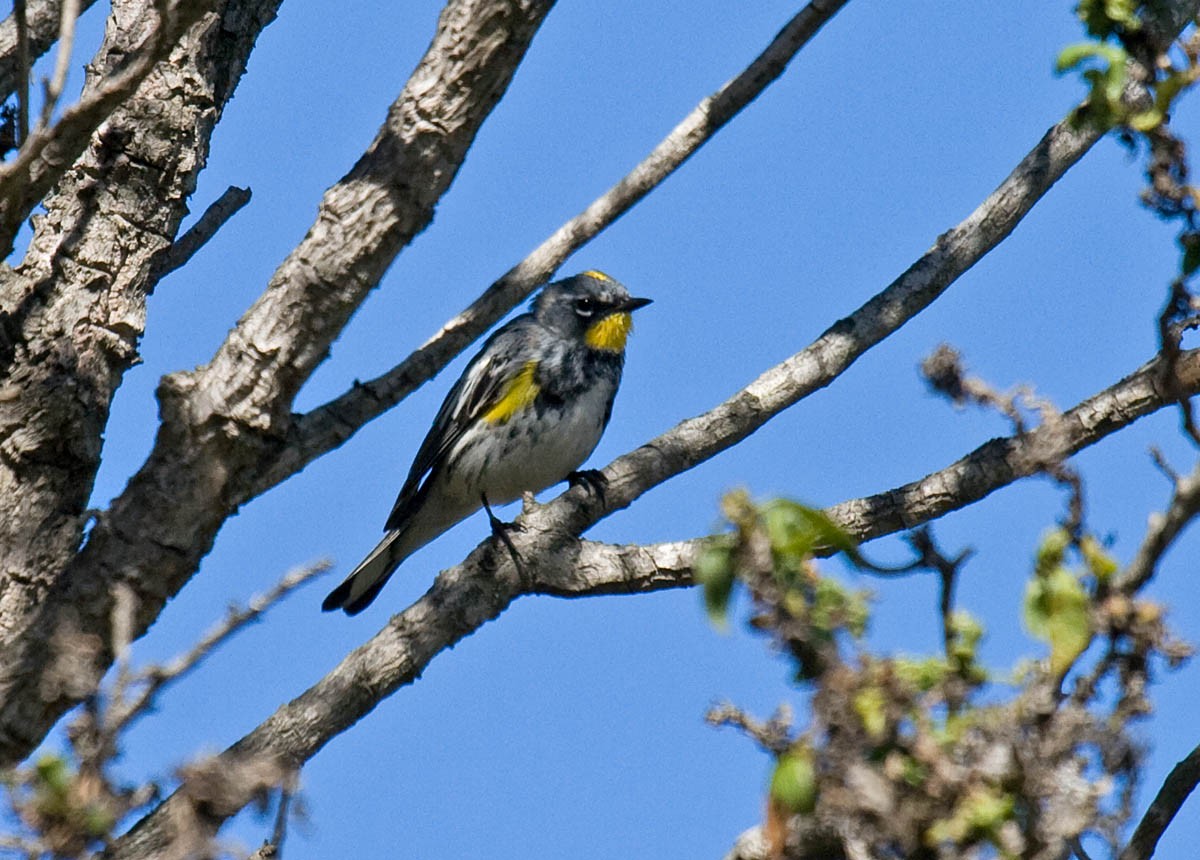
(556, 562)
(387, 198)
(1165, 527)
(44, 19)
(23, 70)
(1170, 798)
(66, 42)
(213, 219)
(331, 424)
(155, 678)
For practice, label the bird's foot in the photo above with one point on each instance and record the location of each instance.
(593, 479)
(500, 530)
(529, 503)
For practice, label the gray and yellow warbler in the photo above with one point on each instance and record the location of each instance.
(528, 410)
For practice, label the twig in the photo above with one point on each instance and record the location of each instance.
(286, 791)
(1170, 798)
(19, 12)
(775, 735)
(196, 236)
(1164, 528)
(53, 86)
(932, 558)
(1174, 318)
(154, 678)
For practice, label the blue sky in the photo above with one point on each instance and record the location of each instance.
(574, 728)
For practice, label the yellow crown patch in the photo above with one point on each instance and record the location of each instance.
(598, 275)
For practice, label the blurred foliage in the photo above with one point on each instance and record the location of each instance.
(928, 755)
(1133, 85)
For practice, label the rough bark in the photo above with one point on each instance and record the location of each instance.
(556, 561)
(43, 20)
(220, 421)
(73, 311)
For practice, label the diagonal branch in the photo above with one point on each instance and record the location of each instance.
(43, 19)
(1179, 784)
(557, 562)
(218, 212)
(331, 424)
(1164, 528)
(141, 540)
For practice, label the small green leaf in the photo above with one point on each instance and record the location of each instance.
(1100, 563)
(1056, 612)
(54, 773)
(1051, 551)
(715, 574)
(794, 782)
(871, 707)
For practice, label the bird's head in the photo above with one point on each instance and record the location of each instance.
(592, 307)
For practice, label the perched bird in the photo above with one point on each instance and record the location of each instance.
(525, 414)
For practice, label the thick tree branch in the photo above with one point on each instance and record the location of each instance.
(72, 313)
(220, 421)
(51, 149)
(1175, 790)
(555, 561)
(43, 18)
(331, 424)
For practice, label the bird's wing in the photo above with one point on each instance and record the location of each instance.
(483, 386)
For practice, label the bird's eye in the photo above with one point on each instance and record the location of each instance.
(585, 307)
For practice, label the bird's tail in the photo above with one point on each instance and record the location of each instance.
(364, 582)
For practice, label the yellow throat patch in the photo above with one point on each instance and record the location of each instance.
(517, 395)
(610, 332)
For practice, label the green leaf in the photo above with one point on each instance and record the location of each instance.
(715, 574)
(1056, 612)
(871, 707)
(1099, 562)
(1051, 550)
(794, 782)
(54, 773)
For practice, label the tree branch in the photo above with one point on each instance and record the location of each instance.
(556, 562)
(220, 421)
(331, 424)
(51, 149)
(43, 18)
(1170, 798)
(1164, 527)
(213, 219)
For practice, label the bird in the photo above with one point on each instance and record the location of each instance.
(526, 413)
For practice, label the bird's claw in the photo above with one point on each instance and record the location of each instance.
(593, 479)
(500, 530)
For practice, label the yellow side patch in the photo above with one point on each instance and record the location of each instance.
(609, 332)
(598, 275)
(518, 394)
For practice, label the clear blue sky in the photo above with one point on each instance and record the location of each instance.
(575, 728)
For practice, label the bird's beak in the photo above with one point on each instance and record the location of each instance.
(632, 304)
